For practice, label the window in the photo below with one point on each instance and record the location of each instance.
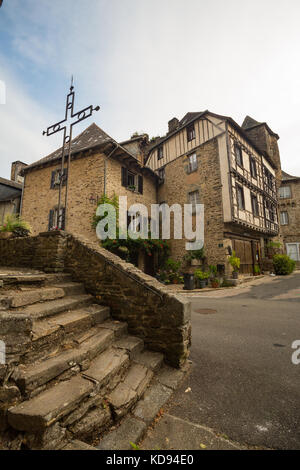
(56, 222)
(194, 198)
(238, 154)
(285, 192)
(253, 169)
(161, 173)
(293, 250)
(190, 132)
(55, 178)
(284, 218)
(240, 197)
(255, 208)
(193, 163)
(269, 178)
(160, 152)
(270, 211)
(131, 180)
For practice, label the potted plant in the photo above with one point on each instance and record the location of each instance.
(194, 257)
(215, 282)
(131, 187)
(14, 226)
(256, 270)
(201, 277)
(235, 262)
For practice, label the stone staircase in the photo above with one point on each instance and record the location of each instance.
(72, 372)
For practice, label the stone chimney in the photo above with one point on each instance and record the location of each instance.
(173, 125)
(16, 168)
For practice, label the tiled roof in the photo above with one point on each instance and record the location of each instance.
(9, 190)
(10, 183)
(250, 123)
(91, 137)
(287, 177)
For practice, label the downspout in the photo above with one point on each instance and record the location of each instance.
(22, 195)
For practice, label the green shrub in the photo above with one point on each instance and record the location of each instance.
(199, 274)
(234, 261)
(213, 270)
(283, 264)
(13, 223)
(256, 269)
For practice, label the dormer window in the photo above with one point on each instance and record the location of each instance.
(160, 152)
(190, 131)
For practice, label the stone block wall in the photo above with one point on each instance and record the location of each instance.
(160, 318)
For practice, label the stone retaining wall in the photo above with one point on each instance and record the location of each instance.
(160, 318)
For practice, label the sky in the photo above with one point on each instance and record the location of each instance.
(145, 62)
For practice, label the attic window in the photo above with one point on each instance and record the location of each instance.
(160, 152)
(190, 132)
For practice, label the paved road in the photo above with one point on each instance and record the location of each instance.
(243, 382)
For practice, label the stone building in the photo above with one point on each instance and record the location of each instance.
(289, 208)
(204, 158)
(10, 198)
(99, 166)
(232, 170)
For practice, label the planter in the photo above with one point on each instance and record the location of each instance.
(214, 284)
(189, 281)
(5, 235)
(202, 283)
(235, 275)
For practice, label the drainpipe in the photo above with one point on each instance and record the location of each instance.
(21, 203)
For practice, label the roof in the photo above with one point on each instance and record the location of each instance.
(10, 183)
(9, 190)
(193, 116)
(250, 123)
(92, 136)
(286, 177)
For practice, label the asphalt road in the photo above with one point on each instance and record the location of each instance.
(243, 383)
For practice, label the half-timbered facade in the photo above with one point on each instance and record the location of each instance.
(212, 156)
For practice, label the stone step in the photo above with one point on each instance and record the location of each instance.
(150, 359)
(71, 288)
(111, 364)
(22, 279)
(119, 328)
(126, 393)
(53, 307)
(132, 344)
(24, 297)
(32, 377)
(49, 406)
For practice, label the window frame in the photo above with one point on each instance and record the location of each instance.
(193, 162)
(160, 152)
(284, 187)
(255, 205)
(238, 146)
(239, 187)
(252, 163)
(190, 132)
(287, 218)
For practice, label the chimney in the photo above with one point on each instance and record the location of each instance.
(173, 125)
(16, 168)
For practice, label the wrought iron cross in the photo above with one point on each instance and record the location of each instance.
(67, 139)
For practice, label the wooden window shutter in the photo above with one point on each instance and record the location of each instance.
(124, 176)
(52, 179)
(50, 225)
(140, 184)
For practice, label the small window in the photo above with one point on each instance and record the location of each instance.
(270, 210)
(269, 178)
(56, 178)
(285, 192)
(255, 208)
(190, 132)
(194, 198)
(193, 163)
(240, 197)
(253, 169)
(55, 222)
(238, 154)
(284, 218)
(130, 179)
(160, 152)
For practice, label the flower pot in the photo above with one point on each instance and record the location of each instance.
(202, 283)
(235, 275)
(214, 284)
(5, 235)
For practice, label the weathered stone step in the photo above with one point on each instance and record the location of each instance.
(119, 328)
(132, 344)
(24, 297)
(71, 288)
(126, 393)
(30, 378)
(150, 359)
(111, 364)
(53, 307)
(19, 278)
(49, 406)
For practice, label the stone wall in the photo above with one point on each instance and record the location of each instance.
(161, 319)
(291, 232)
(207, 180)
